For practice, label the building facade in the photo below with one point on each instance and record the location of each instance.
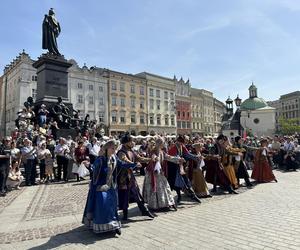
(142, 103)
(277, 105)
(2, 101)
(19, 82)
(127, 100)
(290, 105)
(161, 104)
(197, 110)
(219, 111)
(88, 92)
(183, 106)
(208, 112)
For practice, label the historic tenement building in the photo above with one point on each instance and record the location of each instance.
(183, 106)
(88, 88)
(161, 103)
(2, 101)
(143, 103)
(197, 108)
(127, 99)
(219, 111)
(289, 105)
(19, 82)
(208, 112)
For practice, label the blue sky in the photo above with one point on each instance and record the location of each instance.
(220, 45)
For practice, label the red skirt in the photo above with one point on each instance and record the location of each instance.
(262, 172)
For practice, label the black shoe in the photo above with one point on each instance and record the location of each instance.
(3, 194)
(146, 212)
(125, 214)
(81, 178)
(196, 198)
(118, 231)
(233, 192)
(174, 207)
(249, 184)
(275, 180)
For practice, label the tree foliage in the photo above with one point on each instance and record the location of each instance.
(289, 126)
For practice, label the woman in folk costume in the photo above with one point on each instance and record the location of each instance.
(156, 190)
(215, 173)
(196, 175)
(101, 211)
(176, 175)
(262, 170)
(227, 162)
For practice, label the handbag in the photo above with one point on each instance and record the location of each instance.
(83, 171)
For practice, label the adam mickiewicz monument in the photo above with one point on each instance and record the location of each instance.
(52, 70)
(51, 30)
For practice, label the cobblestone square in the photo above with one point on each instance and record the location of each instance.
(264, 217)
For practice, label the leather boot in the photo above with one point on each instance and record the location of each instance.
(125, 214)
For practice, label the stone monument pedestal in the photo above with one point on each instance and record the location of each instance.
(52, 78)
(52, 82)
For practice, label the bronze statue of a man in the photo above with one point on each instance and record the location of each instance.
(51, 30)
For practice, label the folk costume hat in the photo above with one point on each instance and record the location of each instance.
(237, 138)
(126, 138)
(221, 137)
(180, 138)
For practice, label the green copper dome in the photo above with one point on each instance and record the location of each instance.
(253, 103)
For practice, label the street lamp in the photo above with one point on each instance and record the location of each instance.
(238, 102)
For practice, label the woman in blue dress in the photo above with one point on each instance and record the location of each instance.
(101, 212)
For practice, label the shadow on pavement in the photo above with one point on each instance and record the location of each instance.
(76, 236)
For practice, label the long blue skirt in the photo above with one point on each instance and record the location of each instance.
(100, 213)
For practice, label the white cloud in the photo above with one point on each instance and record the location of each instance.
(219, 24)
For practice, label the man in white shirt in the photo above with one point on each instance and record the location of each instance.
(29, 158)
(289, 158)
(94, 148)
(61, 150)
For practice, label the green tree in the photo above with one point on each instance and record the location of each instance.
(289, 126)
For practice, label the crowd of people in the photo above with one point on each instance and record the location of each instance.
(183, 164)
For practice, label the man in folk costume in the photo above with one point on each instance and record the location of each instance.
(176, 175)
(215, 173)
(239, 165)
(127, 184)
